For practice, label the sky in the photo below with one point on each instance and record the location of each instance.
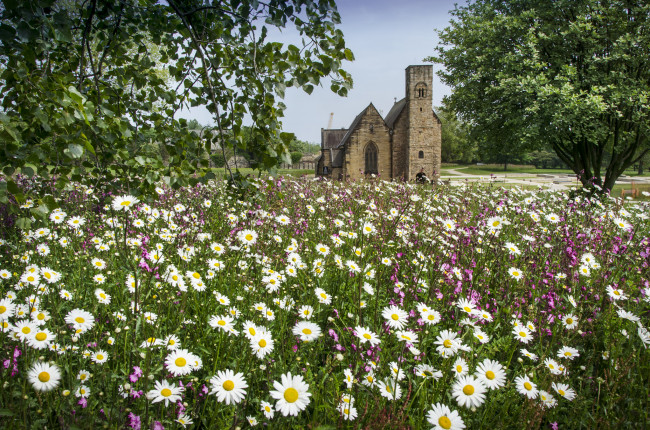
(386, 36)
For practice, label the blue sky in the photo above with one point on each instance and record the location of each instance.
(386, 36)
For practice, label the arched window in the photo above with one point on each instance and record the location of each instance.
(421, 154)
(421, 90)
(371, 158)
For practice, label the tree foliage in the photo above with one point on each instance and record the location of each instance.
(458, 146)
(572, 74)
(85, 84)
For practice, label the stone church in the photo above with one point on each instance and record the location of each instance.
(395, 147)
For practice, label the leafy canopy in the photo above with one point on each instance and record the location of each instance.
(90, 89)
(572, 74)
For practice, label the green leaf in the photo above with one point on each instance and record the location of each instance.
(24, 223)
(75, 95)
(29, 170)
(74, 150)
(12, 187)
(40, 212)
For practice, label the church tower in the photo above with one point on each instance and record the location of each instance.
(423, 135)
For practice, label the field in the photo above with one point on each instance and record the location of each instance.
(317, 304)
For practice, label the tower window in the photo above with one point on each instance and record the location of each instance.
(420, 90)
(421, 154)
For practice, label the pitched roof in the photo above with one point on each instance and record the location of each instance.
(394, 112)
(330, 138)
(355, 123)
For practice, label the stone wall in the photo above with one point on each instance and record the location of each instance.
(400, 145)
(423, 125)
(370, 130)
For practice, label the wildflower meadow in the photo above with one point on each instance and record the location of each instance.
(319, 304)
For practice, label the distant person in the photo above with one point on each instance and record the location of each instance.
(421, 178)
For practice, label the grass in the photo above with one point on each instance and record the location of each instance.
(222, 172)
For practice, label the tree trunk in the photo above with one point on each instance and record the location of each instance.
(640, 171)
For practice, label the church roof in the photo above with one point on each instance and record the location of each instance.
(330, 138)
(394, 113)
(354, 125)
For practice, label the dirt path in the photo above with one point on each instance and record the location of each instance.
(457, 176)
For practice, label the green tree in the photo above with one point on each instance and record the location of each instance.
(457, 144)
(82, 88)
(571, 74)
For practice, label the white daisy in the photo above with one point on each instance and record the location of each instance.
(291, 394)
(230, 387)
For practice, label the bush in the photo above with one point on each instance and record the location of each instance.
(217, 159)
(295, 157)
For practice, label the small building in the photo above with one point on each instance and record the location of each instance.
(395, 147)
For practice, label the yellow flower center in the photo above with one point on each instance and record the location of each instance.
(102, 295)
(306, 331)
(228, 385)
(290, 395)
(100, 356)
(262, 343)
(3, 309)
(569, 320)
(180, 362)
(43, 376)
(431, 317)
(567, 354)
(47, 275)
(195, 275)
(459, 368)
(467, 309)
(82, 377)
(447, 343)
(367, 336)
(395, 317)
(617, 293)
(221, 323)
(444, 422)
(562, 393)
(41, 336)
(125, 203)
(528, 386)
(26, 330)
(251, 330)
(468, 390)
(323, 295)
(249, 237)
(166, 392)
(522, 333)
(490, 375)
(80, 320)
